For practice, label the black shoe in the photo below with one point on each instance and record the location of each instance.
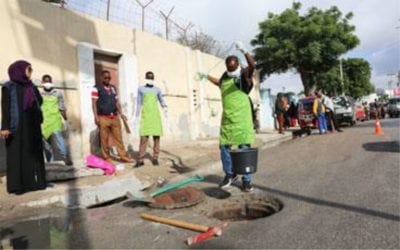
(155, 162)
(68, 162)
(247, 187)
(138, 164)
(228, 180)
(339, 130)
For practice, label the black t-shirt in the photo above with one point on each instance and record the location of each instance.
(243, 83)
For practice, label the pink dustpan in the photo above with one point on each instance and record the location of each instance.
(96, 162)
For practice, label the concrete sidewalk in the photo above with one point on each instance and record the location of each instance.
(87, 187)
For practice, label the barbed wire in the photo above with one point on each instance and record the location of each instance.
(129, 13)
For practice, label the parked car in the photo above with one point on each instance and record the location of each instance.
(344, 110)
(394, 107)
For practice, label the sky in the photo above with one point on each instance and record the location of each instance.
(377, 26)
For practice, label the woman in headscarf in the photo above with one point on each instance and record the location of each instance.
(20, 127)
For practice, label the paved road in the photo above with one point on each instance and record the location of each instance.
(339, 191)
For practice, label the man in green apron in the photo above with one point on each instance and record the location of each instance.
(150, 119)
(53, 109)
(236, 123)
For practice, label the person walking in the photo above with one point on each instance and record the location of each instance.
(285, 103)
(279, 111)
(319, 112)
(236, 123)
(54, 111)
(20, 127)
(330, 113)
(106, 111)
(150, 119)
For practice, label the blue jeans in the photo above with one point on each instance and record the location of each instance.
(227, 161)
(56, 141)
(322, 124)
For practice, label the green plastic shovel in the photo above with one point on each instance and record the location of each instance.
(141, 197)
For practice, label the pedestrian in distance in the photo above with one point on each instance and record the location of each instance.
(148, 112)
(20, 127)
(279, 111)
(286, 121)
(236, 123)
(319, 112)
(54, 111)
(107, 112)
(330, 113)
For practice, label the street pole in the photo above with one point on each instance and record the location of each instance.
(341, 75)
(143, 6)
(108, 10)
(166, 17)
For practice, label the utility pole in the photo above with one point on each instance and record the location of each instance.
(108, 9)
(341, 75)
(143, 6)
(166, 17)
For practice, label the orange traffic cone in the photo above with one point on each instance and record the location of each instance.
(378, 129)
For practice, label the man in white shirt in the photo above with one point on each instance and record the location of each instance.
(330, 113)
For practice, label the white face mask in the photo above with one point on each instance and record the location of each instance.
(48, 85)
(149, 82)
(235, 73)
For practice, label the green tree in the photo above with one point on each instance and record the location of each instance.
(357, 81)
(356, 78)
(309, 43)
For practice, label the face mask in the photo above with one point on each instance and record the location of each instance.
(235, 73)
(48, 85)
(149, 82)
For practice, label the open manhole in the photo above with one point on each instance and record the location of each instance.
(247, 210)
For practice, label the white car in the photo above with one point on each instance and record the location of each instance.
(344, 110)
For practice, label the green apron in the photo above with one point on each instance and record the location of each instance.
(52, 119)
(237, 122)
(150, 121)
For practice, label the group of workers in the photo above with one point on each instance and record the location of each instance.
(32, 121)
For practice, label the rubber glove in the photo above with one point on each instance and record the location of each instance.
(240, 46)
(202, 76)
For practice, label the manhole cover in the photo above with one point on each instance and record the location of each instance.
(178, 198)
(247, 210)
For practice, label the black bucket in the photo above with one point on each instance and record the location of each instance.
(244, 161)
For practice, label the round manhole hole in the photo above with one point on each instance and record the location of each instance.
(247, 210)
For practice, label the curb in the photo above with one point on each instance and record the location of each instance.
(85, 196)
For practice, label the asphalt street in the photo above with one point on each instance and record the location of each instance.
(339, 190)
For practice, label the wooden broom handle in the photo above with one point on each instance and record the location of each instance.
(176, 223)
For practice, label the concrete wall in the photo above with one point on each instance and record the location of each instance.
(61, 43)
(267, 120)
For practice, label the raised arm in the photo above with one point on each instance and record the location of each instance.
(249, 70)
(213, 79)
(203, 76)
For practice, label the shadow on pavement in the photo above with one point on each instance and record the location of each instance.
(216, 192)
(178, 165)
(385, 146)
(333, 204)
